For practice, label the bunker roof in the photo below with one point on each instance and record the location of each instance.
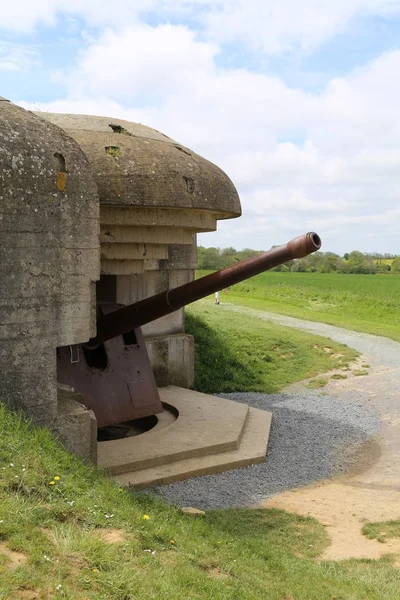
(135, 165)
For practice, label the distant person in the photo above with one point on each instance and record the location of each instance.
(216, 297)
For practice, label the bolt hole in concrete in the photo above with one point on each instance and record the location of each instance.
(62, 171)
(183, 150)
(60, 162)
(190, 185)
(119, 129)
(114, 151)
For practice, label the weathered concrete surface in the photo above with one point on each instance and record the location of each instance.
(155, 195)
(210, 435)
(192, 434)
(76, 426)
(49, 227)
(147, 168)
(172, 359)
(181, 360)
(251, 450)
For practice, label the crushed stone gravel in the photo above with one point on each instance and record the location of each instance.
(313, 436)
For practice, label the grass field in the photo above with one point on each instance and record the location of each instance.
(67, 531)
(233, 353)
(368, 303)
(382, 531)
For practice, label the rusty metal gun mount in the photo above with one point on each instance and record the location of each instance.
(112, 371)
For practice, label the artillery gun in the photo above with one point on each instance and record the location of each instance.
(112, 370)
(97, 217)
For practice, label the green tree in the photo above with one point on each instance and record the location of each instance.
(208, 258)
(359, 263)
(330, 262)
(248, 253)
(229, 252)
(395, 266)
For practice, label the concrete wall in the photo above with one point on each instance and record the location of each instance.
(49, 257)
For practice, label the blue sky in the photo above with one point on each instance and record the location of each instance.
(298, 103)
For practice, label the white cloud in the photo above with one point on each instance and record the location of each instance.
(267, 25)
(143, 60)
(17, 58)
(341, 178)
(274, 27)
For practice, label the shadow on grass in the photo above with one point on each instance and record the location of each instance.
(271, 528)
(217, 367)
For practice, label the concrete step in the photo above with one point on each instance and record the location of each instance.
(251, 450)
(204, 425)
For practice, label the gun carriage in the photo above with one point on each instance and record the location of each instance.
(113, 371)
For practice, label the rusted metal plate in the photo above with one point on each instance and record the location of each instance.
(115, 379)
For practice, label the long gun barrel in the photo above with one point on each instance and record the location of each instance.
(147, 310)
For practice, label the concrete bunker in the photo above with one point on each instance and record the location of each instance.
(155, 195)
(49, 245)
(151, 196)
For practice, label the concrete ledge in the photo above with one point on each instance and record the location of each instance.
(205, 425)
(210, 435)
(252, 450)
(76, 425)
(172, 359)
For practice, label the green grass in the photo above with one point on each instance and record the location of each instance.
(61, 528)
(382, 531)
(237, 353)
(360, 373)
(314, 384)
(228, 555)
(367, 303)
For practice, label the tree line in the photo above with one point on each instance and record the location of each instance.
(319, 262)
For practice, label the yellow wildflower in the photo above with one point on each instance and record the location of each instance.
(95, 570)
(57, 478)
(146, 517)
(172, 541)
(52, 483)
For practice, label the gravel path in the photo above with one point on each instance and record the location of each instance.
(313, 435)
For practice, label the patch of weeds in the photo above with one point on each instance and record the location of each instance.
(382, 531)
(119, 129)
(360, 373)
(114, 151)
(316, 383)
(365, 366)
(338, 376)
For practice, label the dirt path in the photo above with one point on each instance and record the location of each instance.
(344, 509)
(371, 491)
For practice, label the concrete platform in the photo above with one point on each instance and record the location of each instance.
(209, 435)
